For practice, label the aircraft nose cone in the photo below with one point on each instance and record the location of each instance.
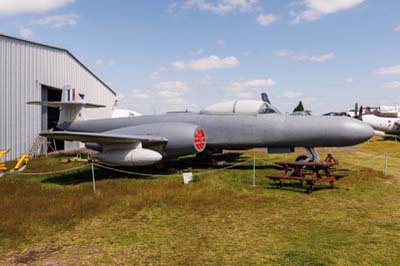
(357, 131)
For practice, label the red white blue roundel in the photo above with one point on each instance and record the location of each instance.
(200, 139)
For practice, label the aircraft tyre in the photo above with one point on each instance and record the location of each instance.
(301, 158)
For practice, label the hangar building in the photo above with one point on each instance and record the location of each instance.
(31, 71)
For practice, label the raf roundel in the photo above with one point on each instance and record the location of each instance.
(200, 139)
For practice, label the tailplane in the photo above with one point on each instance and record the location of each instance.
(71, 104)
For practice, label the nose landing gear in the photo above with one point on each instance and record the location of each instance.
(312, 156)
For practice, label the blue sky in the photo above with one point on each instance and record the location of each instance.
(171, 55)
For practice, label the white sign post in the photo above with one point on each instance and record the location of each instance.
(187, 177)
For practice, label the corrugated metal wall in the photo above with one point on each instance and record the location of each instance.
(24, 67)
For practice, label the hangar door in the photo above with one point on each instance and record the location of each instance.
(51, 115)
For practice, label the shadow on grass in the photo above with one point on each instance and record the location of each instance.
(390, 138)
(297, 187)
(85, 176)
(173, 167)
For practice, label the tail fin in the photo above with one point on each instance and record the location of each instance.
(71, 105)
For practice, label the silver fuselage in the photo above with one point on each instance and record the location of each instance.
(239, 131)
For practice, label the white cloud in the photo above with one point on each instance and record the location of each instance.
(154, 75)
(291, 95)
(179, 65)
(13, 7)
(163, 68)
(166, 94)
(283, 53)
(207, 63)
(397, 28)
(253, 83)
(237, 87)
(220, 42)
(302, 57)
(174, 88)
(222, 7)
(160, 97)
(266, 19)
(25, 32)
(391, 85)
(180, 86)
(246, 89)
(392, 70)
(57, 21)
(317, 8)
(349, 80)
(104, 63)
(243, 95)
(214, 62)
(197, 52)
(161, 90)
(321, 58)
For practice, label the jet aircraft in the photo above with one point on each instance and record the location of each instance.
(384, 119)
(240, 124)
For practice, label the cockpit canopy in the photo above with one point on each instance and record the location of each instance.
(240, 107)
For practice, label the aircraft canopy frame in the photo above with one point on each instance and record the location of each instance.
(253, 107)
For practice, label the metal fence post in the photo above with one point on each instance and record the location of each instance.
(254, 171)
(93, 180)
(386, 164)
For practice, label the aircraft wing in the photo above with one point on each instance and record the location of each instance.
(105, 138)
(61, 104)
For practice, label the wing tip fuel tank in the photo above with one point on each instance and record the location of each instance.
(129, 157)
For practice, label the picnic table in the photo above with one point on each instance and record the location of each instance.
(308, 172)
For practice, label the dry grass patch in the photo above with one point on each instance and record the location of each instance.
(219, 220)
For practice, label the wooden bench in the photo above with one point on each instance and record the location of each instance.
(308, 172)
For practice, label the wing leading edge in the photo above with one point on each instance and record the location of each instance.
(105, 138)
(55, 104)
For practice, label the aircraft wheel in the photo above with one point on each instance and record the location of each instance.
(301, 158)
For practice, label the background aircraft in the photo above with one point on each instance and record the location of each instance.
(299, 110)
(384, 119)
(148, 139)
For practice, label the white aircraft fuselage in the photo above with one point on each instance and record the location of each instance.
(389, 125)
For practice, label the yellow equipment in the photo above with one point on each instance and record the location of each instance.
(23, 160)
(3, 166)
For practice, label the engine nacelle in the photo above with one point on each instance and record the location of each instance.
(183, 138)
(130, 157)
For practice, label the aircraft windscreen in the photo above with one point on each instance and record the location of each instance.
(268, 109)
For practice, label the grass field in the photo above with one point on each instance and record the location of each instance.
(217, 220)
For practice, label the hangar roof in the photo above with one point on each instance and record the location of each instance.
(61, 49)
